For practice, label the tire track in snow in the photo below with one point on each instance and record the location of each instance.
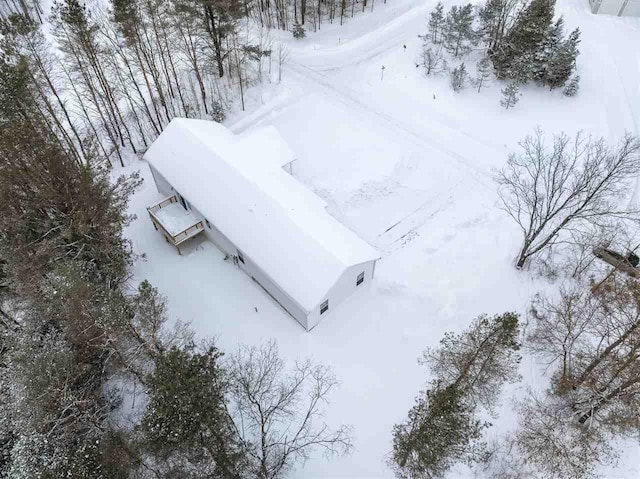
(365, 47)
(373, 44)
(406, 228)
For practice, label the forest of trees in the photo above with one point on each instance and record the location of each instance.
(113, 74)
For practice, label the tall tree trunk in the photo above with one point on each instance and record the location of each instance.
(141, 64)
(155, 75)
(215, 37)
(173, 69)
(45, 74)
(85, 112)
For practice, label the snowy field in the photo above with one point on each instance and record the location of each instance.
(406, 163)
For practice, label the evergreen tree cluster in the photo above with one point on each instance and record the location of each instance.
(458, 77)
(534, 47)
(64, 263)
(521, 40)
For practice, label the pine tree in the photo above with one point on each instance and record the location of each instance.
(298, 31)
(220, 23)
(484, 70)
(562, 62)
(458, 32)
(547, 51)
(494, 17)
(510, 95)
(572, 86)
(187, 413)
(470, 369)
(23, 41)
(440, 431)
(515, 57)
(458, 77)
(217, 112)
(436, 23)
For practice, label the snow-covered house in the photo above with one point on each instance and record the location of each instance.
(629, 8)
(235, 190)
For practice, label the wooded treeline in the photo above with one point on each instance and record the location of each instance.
(519, 41)
(117, 76)
(310, 14)
(113, 74)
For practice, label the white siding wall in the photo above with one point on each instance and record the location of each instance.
(162, 184)
(280, 296)
(344, 287)
(249, 267)
(227, 247)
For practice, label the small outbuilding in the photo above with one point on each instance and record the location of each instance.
(237, 190)
(628, 8)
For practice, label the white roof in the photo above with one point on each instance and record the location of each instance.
(238, 184)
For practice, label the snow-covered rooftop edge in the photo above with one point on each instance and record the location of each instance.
(238, 184)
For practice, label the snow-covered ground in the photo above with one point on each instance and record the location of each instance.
(406, 163)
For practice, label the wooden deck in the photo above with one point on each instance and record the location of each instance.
(176, 224)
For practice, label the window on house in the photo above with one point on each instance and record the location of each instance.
(324, 306)
(360, 279)
(240, 257)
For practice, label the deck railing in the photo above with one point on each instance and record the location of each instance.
(180, 237)
(188, 233)
(162, 204)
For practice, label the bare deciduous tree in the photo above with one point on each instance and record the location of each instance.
(283, 55)
(559, 328)
(595, 339)
(554, 445)
(279, 412)
(573, 184)
(573, 256)
(433, 61)
(502, 460)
